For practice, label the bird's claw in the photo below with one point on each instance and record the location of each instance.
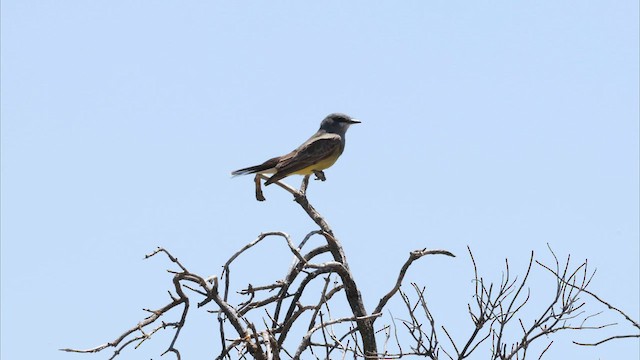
(319, 175)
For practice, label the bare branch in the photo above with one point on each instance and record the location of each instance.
(305, 340)
(607, 339)
(413, 256)
(283, 305)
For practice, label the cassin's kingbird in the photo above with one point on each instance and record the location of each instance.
(314, 155)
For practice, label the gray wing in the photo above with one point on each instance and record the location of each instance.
(309, 153)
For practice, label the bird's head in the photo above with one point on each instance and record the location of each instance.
(337, 123)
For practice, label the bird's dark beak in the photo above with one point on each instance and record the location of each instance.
(354, 121)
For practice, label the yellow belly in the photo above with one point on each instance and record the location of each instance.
(323, 164)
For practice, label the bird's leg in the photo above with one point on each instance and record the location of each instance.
(319, 175)
(259, 195)
(305, 183)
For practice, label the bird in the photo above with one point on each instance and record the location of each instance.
(318, 153)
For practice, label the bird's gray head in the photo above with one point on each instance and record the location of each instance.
(337, 123)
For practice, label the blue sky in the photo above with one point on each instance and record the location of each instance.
(499, 125)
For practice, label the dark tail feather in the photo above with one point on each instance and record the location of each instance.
(275, 177)
(269, 164)
(249, 170)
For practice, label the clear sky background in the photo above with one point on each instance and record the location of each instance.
(500, 125)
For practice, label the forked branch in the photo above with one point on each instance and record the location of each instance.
(261, 324)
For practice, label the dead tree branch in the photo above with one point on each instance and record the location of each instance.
(413, 256)
(573, 286)
(261, 324)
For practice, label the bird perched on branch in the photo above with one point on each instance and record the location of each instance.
(316, 154)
